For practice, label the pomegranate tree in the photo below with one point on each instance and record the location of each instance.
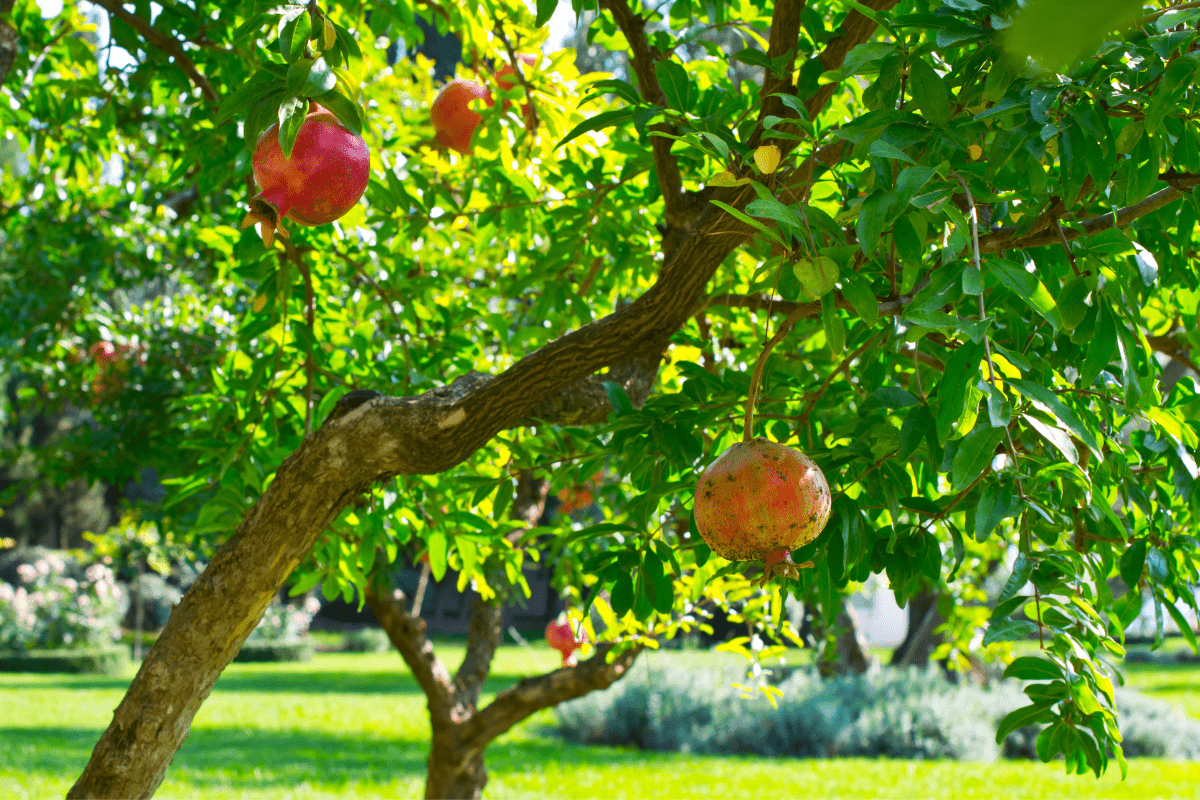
(761, 500)
(560, 636)
(325, 176)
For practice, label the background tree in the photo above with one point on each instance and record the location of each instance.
(986, 264)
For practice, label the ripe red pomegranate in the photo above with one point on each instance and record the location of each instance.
(102, 351)
(454, 122)
(323, 179)
(761, 500)
(560, 636)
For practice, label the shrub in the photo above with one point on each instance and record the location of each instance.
(102, 659)
(284, 623)
(49, 609)
(886, 712)
(367, 640)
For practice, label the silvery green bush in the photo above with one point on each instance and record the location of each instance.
(910, 713)
(48, 608)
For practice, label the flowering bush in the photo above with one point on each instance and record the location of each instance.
(285, 623)
(50, 609)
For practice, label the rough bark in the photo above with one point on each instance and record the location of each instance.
(8, 41)
(920, 641)
(849, 653)
(374, 442)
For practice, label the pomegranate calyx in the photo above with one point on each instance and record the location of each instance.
(776, 565)
(267, 213)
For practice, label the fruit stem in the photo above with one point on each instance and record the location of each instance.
(756, 378)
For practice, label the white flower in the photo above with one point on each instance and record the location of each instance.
(70, 585)
(56, 564)
(43, 567)
(6, 593)
(312, 605)
(27, 572)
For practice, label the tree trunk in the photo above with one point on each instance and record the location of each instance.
(920, 641)
(850, 653)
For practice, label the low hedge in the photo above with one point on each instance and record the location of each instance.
(111, 660)
(301, 650)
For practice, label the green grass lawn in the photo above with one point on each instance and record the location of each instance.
(350, 725)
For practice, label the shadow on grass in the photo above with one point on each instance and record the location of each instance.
(268, 681)
(256, 760)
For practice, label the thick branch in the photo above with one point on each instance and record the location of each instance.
(8, 42)
(644, 58)
(1044, 232)
(783, 38)
(407, 634)
(543, 691)
(168, 44)
(856, 29)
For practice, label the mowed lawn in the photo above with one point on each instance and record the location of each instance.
(355, 725)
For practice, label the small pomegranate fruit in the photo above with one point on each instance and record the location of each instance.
(102, 351)
(454, 122)
(560, 636)
(761, 500)
(323, 179)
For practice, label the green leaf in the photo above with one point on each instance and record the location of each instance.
(673, 79)
(293, 37)
(872, 218)
(606, 119)
(1065, 415)
(1071, 302)
(894, 397)
(622, 595)
(766, 231)
(962, 370)
(929, 92)
(344, 109)
(618, 399)
(857, 290)
(1027, 715)
(995, 504)
(545, 10)
(1022, 569)
(1009, 630)
(917, 423)
(1027, 286)
(1147, 264)
(1132, 562)
(1102, 349)
(1033, 668)
(1056, 436)
(835, 329)
(437, 554)
(249, 93)
(291, 117)
(884, 150)
(975, 453)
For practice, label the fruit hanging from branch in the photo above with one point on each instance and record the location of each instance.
(761, 499)
(324, 178)
(560, 636)
(454, 121)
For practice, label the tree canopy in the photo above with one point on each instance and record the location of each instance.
(972, 222)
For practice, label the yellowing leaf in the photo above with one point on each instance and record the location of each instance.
(260, 303)
(975, 152)
(816, 275)
(767, 158)
(727, 179)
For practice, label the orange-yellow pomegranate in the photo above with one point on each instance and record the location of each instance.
(759, 501)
